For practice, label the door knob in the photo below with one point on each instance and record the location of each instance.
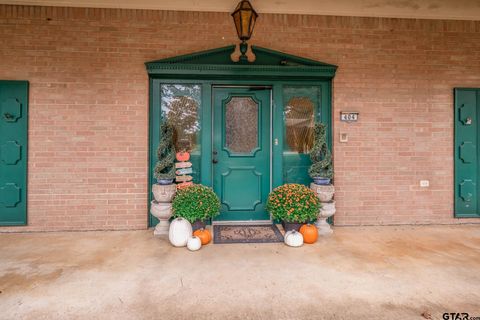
(215, 161)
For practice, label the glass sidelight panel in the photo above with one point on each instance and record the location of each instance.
(241, 125)
(181, 106)
(299, 121)
(301, 109)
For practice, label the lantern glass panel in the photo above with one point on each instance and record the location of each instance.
(236, 19)
(245, 24)
(252, 24)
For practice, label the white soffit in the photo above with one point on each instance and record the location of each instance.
(421, 9)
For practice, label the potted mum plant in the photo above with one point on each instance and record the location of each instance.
(294, 205)
(164, 170)
(321, 170)
(196, 204)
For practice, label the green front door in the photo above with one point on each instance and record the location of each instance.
(13, 152)
(241, 151)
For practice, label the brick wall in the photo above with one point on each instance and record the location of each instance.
(88, 138)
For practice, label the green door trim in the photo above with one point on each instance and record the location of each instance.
(214, 68)
(466, 152)
(14, 112)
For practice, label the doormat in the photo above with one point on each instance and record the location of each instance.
(261, 233)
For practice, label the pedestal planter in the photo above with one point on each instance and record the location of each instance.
(324, 193)
(327, 210)
(163, 212)
(164, 193)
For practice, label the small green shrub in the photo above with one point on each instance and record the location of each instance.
(320, 155)
(293, 203)
(196, 202)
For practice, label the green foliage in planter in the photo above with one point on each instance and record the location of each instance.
(293, 203)
(196, 202)
(165, 167)
(320, 155)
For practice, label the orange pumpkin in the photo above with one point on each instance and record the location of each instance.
(204, 236)
(182, 156)
(310, 233)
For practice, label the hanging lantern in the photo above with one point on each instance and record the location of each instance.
(244, 18)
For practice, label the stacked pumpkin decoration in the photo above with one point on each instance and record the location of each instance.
(309, 233)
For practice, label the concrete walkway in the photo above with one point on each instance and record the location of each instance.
(358, 273)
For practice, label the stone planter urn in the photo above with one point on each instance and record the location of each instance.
(324, 192)
(164, 193)
(327, 210)
(163, 212)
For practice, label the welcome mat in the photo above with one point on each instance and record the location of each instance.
(261, 233)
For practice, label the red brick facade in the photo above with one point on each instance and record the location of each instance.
(88, 135)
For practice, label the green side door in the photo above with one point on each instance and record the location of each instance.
(467, 106)
(241, 152)
(13, 152)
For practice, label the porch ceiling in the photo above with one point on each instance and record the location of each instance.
(422, 9)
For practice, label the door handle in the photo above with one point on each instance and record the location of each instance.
(215, 161)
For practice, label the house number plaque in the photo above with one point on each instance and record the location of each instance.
(349, 116)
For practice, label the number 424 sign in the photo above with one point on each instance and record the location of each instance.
(349, 116)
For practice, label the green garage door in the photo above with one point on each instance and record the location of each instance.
(13, 152)
(467, 112)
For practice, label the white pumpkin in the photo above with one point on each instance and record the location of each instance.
(293, 238)
(194, 243)
(180, 231)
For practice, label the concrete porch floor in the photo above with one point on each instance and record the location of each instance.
(364, 272)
